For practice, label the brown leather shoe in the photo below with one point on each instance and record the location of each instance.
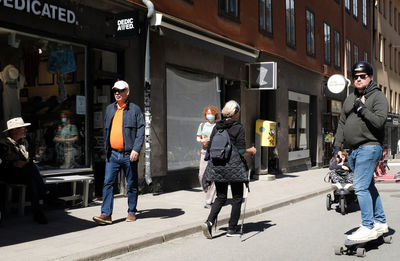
(103, 220)
(130, 218)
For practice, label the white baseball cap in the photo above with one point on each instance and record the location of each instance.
(121, 85)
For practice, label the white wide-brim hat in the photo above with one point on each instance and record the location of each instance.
(16, 123)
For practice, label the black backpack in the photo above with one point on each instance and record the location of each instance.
(221, 147)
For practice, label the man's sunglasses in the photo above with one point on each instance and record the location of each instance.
(362, 76)
(118, 90)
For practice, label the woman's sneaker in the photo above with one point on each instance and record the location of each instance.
(233, 232)
(381, 227)
(363, 233)
(206, 227)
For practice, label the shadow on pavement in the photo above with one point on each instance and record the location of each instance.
(160, 213)
(18, 230)
(248, 228)
(282, 176)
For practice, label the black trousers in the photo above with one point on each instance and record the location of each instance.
(237, 197)
(30, 176)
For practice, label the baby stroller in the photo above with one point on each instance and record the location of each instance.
(343, 192)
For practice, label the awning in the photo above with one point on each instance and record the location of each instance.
(181, 30)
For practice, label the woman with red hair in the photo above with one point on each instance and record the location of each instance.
(211, 115)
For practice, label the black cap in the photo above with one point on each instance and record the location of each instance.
(362, 67)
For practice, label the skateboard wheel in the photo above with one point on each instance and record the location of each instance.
(338, 250)
(387, 240)
(360, 252)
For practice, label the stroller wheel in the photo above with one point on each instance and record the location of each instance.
(328, 202)
(342, 205)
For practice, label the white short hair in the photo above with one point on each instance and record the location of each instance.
(230, 108)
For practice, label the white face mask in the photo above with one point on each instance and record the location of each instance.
(210, 117)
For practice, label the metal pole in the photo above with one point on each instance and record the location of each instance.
(147, 95)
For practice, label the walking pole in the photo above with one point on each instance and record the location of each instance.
(246, 192)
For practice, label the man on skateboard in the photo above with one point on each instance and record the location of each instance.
(361, 128)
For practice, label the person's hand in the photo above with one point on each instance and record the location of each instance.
(359, 105)
(252, 150)
(134, 156)
(205, 140)
(345, 168)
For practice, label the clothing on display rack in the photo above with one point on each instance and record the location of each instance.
(12, 81)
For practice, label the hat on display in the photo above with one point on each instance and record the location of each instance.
(12, 73)
(120, 85)
(16, 123)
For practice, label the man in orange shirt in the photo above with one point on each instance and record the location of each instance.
(123, 139)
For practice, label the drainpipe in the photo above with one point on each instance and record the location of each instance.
(147, 97)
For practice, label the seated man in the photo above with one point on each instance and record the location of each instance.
(340, 172)
(18, 168)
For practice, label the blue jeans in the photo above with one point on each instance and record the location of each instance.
(114, 164)
(363, 162)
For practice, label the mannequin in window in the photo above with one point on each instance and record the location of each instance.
(13, 82)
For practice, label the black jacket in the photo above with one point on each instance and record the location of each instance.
(235, 170)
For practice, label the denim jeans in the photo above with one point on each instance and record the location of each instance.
(114, 164)
(363, 162)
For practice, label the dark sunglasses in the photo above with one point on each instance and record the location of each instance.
(118, 90)
(362, 76)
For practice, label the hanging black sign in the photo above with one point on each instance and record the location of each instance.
(126, 24)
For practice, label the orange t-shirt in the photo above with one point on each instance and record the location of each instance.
(116, 136)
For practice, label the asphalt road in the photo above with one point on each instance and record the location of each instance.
(302, 231)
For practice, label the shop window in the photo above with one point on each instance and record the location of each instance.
(298, 125)
(51, 95)
(229, 8)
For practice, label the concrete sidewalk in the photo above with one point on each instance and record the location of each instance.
(72, 235)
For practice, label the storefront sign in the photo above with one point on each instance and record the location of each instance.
(337, 83)
(126, 24)
(41, 8)
(262, 76)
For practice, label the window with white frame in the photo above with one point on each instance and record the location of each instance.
(347, 4)
(355, 53)
(337, 48)
(310, 33)
(265, 22)
(290, 24)
(327, 43)
(348, 55)
(229, 8)
(365, 56)
(355, 8)
(364, 12)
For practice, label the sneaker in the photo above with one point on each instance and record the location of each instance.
(130, 218)
(381, 227)
(103, 220)
(207, 206)
(233, 232)
(206, 227)
(363, 233)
